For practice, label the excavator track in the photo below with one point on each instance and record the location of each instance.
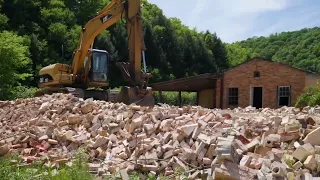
(50, 90)
(127, 95)
(78, 92)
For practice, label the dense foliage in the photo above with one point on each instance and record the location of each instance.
(36, 33)
(298, 48)
(172, 98)
(14, 58)
(52, 29)
(310, 97)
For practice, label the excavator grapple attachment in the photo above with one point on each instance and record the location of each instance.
(65, 90)
(131, 95)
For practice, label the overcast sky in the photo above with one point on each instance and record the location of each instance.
(235, 20)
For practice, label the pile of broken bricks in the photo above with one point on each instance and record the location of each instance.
(242, 143)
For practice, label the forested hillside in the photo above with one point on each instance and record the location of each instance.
(36, 33)
(298, 48)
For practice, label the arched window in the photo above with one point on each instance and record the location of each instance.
(256, 74)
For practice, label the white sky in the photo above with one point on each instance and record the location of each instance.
(235, 20)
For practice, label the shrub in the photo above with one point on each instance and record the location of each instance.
(314, 100)
(23, 92)
(172, 98)
(303, 100)
(17, 92)
(310, 97)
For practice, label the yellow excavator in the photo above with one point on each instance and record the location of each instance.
(87, 77)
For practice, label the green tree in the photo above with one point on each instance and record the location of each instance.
(38, 51)
(218, 50)
(57, 12)
(14, 56)
(84, 10)
(3, 18)
(23, 15)
(298, 48)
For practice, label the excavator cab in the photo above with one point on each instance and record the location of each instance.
(99, 66)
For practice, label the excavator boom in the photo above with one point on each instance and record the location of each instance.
(105, 18)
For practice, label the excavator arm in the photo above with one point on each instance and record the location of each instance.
(105, 18)
(112, 13)
(89, 66)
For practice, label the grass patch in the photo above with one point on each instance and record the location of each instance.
(9, 169)
(78, 170)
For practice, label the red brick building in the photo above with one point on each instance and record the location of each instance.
(257, 82)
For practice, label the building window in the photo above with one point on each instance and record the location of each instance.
(233, 96)
(284, 95)
(256, 74)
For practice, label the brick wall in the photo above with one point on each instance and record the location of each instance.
(218, 92)
(312, 79)
(206, 97)
(271, 76)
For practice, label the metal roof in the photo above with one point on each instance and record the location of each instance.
(269, 60)
(205, 81)
(189, 84)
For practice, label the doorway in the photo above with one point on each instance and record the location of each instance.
(257, 97)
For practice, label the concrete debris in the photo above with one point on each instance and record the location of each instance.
(243, 143)
(313, 137)
(4, 149)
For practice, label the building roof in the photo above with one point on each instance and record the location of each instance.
(189, 84)
(205, 81)
(269, 60)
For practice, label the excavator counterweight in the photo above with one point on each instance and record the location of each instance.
(90, 67)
